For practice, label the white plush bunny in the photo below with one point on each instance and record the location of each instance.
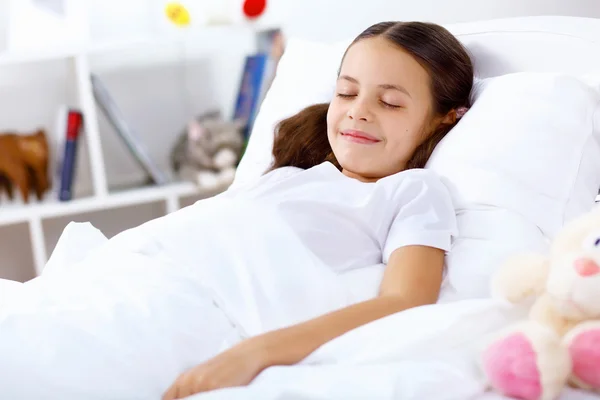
(560, 342)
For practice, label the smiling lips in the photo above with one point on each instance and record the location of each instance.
(361, 137)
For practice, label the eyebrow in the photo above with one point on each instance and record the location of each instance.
(383, 85)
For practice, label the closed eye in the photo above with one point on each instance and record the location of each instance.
(345, 96)
(389, 105)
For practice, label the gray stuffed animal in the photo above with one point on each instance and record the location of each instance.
(208, 151)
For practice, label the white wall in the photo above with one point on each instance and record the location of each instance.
(339, 19)
(160, 87)
(335, 19)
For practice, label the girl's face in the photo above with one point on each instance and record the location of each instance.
(381, 112)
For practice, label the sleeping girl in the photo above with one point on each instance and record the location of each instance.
(346, 227)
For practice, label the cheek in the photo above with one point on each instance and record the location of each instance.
(334, 113)
(402, 134)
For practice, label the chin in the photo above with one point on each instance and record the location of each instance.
(354, 165)
(362, 172)
(362, 163)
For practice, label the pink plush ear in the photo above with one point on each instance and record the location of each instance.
(195, 130)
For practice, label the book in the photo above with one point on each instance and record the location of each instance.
(257, 69)
(257, 75)
(271, 42)
(250, 90)
(118, 122)
(72, 124)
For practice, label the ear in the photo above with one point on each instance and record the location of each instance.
(449, 118)
(440, 121)
(195, 131)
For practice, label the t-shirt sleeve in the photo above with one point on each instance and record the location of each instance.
(425, 216)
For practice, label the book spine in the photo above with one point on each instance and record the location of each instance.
(257, 88)
(74, 124)
(248, 100)
(243, 106)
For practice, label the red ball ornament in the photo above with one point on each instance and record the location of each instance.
(254, 8)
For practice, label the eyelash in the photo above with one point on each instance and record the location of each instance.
(347, 96)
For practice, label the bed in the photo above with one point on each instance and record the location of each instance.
(505, 204)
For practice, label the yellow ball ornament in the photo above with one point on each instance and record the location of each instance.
(177, 14)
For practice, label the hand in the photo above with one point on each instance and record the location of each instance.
(237, 366)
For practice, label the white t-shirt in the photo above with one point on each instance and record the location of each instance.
(279, 251)
(350, 224)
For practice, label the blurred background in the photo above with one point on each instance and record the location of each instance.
(115, 86)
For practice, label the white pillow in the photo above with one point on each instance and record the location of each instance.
(529, 144)
(521, 162)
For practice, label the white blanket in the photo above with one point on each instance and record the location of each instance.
(425, 353)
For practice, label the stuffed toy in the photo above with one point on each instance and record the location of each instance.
(24, 164)
(559, 343)
(208, 151)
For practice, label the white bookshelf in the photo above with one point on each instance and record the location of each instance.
(119, 48)
(99, 197)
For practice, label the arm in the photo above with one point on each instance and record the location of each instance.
(412, 278)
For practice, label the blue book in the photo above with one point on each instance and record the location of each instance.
(255, 77)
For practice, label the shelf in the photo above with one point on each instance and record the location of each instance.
(15, 58)
(18, 213)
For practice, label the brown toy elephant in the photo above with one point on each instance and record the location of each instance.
(24, 164)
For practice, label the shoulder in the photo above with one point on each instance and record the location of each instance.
(424, 213)
(424, 195)
(419, 182)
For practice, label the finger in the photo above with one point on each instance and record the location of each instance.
(187, 386)
(171, 394)
(174, 391)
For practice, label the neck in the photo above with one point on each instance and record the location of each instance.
(359, 177)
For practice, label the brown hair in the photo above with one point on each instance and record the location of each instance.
(301, 140)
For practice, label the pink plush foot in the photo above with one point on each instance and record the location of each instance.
(584, 347)
(511, 366)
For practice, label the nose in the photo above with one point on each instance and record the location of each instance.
(586, 267)
(359, 111)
